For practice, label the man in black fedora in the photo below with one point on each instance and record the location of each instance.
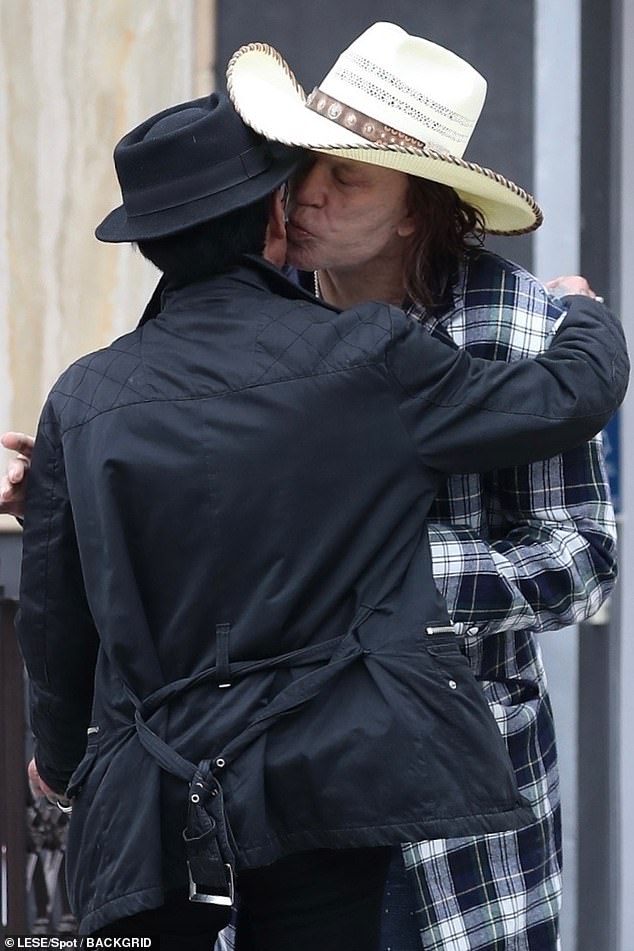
(227, 608)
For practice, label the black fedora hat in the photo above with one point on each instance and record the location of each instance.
(188, 164)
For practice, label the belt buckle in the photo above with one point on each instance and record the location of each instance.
(209, 898)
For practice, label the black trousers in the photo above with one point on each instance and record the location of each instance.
(310, 901)
(399, 927)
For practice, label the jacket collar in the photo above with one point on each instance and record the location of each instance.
(252, 272)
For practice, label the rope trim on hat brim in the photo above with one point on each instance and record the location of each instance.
(273, 53)
(423, 152)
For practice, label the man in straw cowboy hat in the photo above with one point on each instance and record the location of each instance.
(390, 209)
(227, 678)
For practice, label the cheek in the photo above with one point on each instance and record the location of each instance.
(375, 230)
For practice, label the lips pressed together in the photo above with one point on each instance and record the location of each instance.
(297, 231)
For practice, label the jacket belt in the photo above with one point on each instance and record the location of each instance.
(207, 836)
(210, 855)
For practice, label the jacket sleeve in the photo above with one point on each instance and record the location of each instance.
(467, 414)
(554, 563)
(55, 629)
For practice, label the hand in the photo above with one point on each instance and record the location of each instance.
(571, 284)
(39, 788)
(37, 784)
(13, 482)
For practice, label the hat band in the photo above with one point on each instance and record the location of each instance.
(355, 121)
(210, 181)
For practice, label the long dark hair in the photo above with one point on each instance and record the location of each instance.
(447, 228)
(211, 247)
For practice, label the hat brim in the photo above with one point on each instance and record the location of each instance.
(118, 226)
(267, 96)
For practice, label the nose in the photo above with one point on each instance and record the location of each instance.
(308, 184)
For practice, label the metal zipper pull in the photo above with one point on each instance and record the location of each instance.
(440, 629)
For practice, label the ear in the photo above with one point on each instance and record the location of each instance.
(275, 238)
(406, 227)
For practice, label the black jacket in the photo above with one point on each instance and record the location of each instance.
(236, 493)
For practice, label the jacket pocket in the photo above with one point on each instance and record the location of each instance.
(442, 640)
(85, 766)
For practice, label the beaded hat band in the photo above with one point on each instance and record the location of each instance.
(371, 129)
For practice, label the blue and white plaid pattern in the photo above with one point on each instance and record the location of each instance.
(515, 552)
(548, 561)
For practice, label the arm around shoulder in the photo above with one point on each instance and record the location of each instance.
(468, 414)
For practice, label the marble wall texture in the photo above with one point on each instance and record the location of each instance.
(75, 75)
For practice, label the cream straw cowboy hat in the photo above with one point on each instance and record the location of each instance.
(391, 99)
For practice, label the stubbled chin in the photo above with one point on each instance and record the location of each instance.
(299, 257)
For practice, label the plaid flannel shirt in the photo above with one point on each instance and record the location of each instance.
(515, 552)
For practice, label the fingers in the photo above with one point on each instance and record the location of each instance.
(571, 284)
(12, 497)
(39, 789)
(38, 786)
(16, 469)
(18, 442)
(13, 482)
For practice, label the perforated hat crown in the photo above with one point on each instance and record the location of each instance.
(407, 83)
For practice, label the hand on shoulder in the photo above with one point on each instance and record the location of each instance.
(13, 482)
(571, 284)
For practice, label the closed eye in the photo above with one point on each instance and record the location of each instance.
(343, 178)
